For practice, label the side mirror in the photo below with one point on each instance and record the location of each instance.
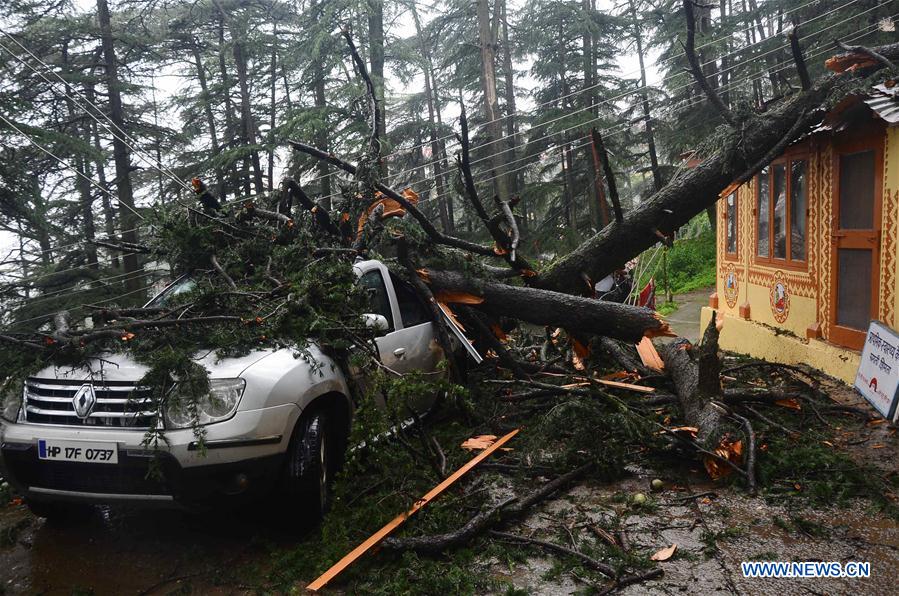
(376, 322)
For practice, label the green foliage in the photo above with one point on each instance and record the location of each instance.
(807, 471)
(690, 264)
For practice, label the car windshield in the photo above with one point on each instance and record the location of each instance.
(182, 285)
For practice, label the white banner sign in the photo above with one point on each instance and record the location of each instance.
(878, 373)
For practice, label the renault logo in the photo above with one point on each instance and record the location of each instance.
(84, 401)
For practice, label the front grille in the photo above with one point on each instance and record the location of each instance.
(119, 404)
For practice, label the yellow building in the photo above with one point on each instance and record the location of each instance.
(807, 250)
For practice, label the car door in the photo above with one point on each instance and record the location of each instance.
(409, 343)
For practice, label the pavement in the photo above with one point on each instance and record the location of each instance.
(685, 320)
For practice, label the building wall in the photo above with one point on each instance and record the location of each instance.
(807, 309)
(756, 282)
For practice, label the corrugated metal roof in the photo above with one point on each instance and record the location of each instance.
(885, 102)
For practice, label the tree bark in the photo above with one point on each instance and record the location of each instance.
(272, 107)
(376, 57)
(543, 307)
(321, 129)
(509, 92)
(487, 39)
(121, 154)
(82, 167)
(657, 180)
(228, 139)
(247, 126)
(697, 382)
(436, 159)
(205, 101)
(109, 222)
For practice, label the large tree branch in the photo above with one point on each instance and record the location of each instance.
(544, 307)
(502, 240)
(423, 220)
(696, 67)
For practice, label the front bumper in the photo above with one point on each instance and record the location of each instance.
(243, 459)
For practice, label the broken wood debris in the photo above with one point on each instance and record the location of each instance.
(396, 522)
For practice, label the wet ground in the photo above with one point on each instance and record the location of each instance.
(714, 527)
(130, 551)
(685, 320)
(714, 530)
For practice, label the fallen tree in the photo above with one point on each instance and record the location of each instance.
(742, 149)
(278, 271)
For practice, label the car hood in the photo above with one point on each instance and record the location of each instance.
(120, 367)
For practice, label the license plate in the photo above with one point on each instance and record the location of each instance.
(87, 452)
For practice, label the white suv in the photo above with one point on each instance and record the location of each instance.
(274, 421)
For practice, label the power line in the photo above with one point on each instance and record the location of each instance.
(130, 142)
(587, 108)
(609, 100)
(690, 102)
(62, 246)
(67, 166)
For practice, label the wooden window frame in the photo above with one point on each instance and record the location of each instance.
(869, 137)
(787, 262)
(732, 256)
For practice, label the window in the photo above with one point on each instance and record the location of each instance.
(781, 213)
(730, 224)
(412, 310)
(373, 283)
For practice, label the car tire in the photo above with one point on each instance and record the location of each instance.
(55, 512)
(310, 469)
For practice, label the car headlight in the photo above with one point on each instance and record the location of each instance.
(11, 401)
(216, 406)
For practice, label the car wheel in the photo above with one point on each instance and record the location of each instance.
(310, 468)
(60, 512)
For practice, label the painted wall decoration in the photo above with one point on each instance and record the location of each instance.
(731, 285)
(780, 297)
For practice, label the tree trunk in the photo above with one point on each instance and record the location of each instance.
(271, 114)
(657, 180)
(740, 151)
(205, 100)
(376, 56)
(697, 382)
(39, 221)
(109, 222)
(725, 58)
(121, 155)
(543, 307)
(228, 139)
(247, 126)
(436, 158)
(487, 40)
(82, 167)
(509, 92)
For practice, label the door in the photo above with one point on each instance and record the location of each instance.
(858, 184)
(409, 343)
(414, 346)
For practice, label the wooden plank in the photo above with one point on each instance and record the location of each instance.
(381, 534)
(649, 355)
(628, 386)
